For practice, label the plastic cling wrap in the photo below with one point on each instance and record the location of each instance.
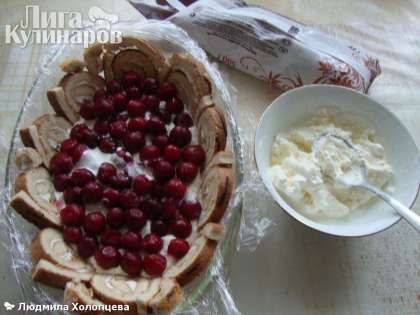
(264, 44)
(208, 294)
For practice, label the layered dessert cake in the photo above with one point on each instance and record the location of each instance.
(128, 179)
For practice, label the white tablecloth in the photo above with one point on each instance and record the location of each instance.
(292, 270)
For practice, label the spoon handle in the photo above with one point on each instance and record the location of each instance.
(406, 213)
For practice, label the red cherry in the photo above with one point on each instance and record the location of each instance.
(114, 86)
(101, 127)
(180, 136)
(178, 215)
(81, 176)
(73, 195)
(117, 129)
(150, 85)
(174, 106)
(131, 240)
(120, 100)
(165, 116)
(76, 131)
(152, 103)
(121, 180)
(134, 141)
(72, 214)
(90, 138)
(190, 209)
(152, 206)
(104, 108)
(68, 145)
(136, 108)
(87, 246)
(129, 199)
(161, 141)
(163, 170)
(159, 227)
(107, 145)
(99, 96)
(155, 125)
(107, 257)
(110, 197)
(154, 264)
(167, 90)
(133, 92)
(106, 171)
(92, 192)
(82, 133)
(61, 181)
(150, 152)
(175, 188)
(184, 119)
(72, 234)
(169, 208)
(181, 228)
(126, 156)
(123, 116)
(78, 152)
(111, 237)
(94, 222)
(115, 217)
(142, 185)
(137, 124)
(152, 243)
(158, 191)
(172, 153)
(61, 163)
(178, 248)
(120, 152)
(187, 171)
(130, 78)
(194, 154)
(131, 263)
(87, 110)
(135, 218)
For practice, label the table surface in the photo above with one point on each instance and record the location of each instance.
(289, 269)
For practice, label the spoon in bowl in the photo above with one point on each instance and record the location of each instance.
(357, 177)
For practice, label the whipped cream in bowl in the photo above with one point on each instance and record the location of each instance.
(313, 139)
(310, 163)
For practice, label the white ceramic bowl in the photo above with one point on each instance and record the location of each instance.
(294, 107)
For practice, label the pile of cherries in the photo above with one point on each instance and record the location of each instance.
(125, 115)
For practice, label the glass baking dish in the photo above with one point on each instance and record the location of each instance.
(168, 38)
